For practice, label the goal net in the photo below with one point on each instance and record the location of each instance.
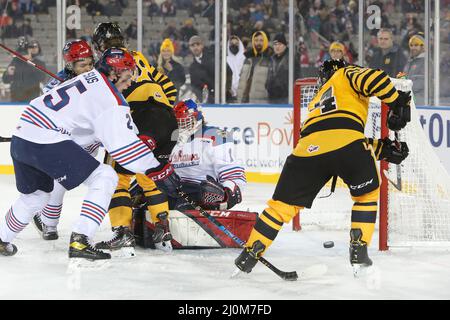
(414, 208)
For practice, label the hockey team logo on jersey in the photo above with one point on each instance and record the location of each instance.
(158, 95)
(312, 148)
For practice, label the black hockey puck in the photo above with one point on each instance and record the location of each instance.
(328, 244)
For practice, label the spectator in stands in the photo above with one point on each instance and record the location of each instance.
(24, 79)
(168, 9)
(337, 51)
(209, 11)
(201, 70)
(131, 30)
(196, 8)
(259, 26)
(256, 13)
(113, 8)
(171, 31)
(94, 8)
(277, 82)
(254, 72)
(168, 64)
(188, 30)
(24, 28)
(152, 8)
(9, 28)
(388, 56)
(26, 6)
(302, 62)
(409, 27)
(35, 49)
(415, 67)
(323, 54)
(235, 60)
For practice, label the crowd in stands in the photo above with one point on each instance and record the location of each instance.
(257, 58)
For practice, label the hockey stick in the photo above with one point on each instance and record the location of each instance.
(18, 55)
(5, 139)
(288, 276)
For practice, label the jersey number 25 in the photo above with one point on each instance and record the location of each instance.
(63, 95)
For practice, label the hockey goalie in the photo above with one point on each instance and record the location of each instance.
(212, 179)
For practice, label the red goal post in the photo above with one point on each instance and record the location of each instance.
(304, 90)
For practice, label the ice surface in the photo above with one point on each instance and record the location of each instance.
(39, 270)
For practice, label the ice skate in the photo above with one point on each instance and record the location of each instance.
(122, 243)
(46, 232)
(248, 258)
(359, 258)
(80, 247)
(7, 249)
(162, 236)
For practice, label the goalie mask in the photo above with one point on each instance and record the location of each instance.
(189, 117)
(328, 68)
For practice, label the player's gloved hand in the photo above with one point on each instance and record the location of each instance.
(392, 151)
(249, 257)
(212, 194)
(149, 141)
(215, 196)
(233, 195)
(165, 179)
(399, 111)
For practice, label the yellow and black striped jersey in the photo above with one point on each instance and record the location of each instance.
(338, 113)
(147, 73)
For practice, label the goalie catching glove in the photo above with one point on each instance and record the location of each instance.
(214, 196)
(399, 111)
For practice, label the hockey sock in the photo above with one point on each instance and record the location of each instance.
(120, 211)
(364, 214)
(157, 201)
(270, 222)
(101, 184)
(51, 213)
(21, 213)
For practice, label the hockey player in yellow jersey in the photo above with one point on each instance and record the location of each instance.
(332, 143)
(150, 97)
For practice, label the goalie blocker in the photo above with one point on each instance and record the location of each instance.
(191, 230)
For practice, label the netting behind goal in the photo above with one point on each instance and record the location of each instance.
(414, 207)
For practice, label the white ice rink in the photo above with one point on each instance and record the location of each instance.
(39, 270)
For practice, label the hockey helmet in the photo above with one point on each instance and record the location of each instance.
(76, 50)
(107, 35)
(117, 60)
(189, 115)
(328, 68)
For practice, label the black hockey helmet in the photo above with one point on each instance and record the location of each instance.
(107, 35)
(328, 68)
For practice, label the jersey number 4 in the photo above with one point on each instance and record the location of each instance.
(63, 95)
(327, 102)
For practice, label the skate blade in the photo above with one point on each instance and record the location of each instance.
(85, 264)
(360, 271)
(164, 246)
(237, 273)
(123, 253)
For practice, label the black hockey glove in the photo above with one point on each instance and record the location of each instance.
(233, 197)
(250, 256)
(399, 111)
(165, 179)
(392, 151)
